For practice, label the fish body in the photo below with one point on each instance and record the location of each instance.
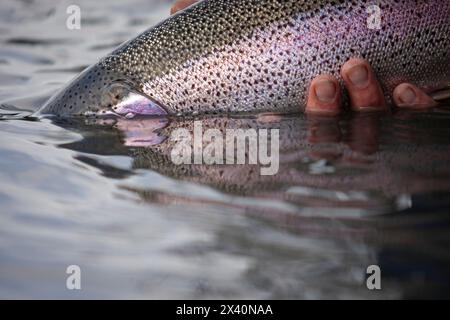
(222, 56)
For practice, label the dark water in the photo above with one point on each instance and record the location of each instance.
(351, 192)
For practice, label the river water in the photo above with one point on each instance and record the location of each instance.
(351, 192)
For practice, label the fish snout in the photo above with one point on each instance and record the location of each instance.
(81, 97)
(95, 94)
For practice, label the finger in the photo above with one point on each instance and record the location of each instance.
(180, 5)
(409, 96)
(324, 96)
(363, 87)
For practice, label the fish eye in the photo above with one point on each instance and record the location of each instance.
(113, 94)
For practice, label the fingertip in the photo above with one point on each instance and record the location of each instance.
(324, 96)
(180, 5)
(364, 89)
(352, 62)
(174, 9)
(407, 95)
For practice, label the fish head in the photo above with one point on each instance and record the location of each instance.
(101, 91)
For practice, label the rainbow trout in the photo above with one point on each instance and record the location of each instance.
(224, 56)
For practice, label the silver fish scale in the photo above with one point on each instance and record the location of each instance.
(249, 55)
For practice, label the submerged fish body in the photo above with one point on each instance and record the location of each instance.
(222, 56)
(335, 155)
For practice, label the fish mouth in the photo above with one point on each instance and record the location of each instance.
(120, 100)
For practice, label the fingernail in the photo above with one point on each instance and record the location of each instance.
(325, 91)
(359, 76)
(408, 96)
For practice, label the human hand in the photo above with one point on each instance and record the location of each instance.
(364, 90)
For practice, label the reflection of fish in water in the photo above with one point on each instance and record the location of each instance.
(323, 162)
(245, 55)
(368, 175)
(340, 167)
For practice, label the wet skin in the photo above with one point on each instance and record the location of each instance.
(324, 97)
